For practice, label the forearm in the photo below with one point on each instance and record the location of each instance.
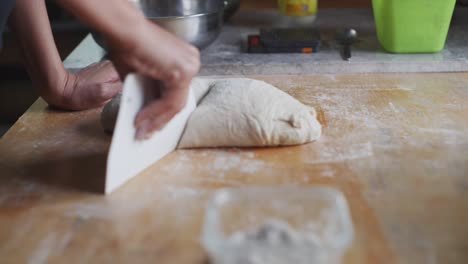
(117, 20)
(31, 26)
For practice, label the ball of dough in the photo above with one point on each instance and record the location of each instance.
(109, 114)
(242, 112)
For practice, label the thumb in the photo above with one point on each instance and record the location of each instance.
(155, 115)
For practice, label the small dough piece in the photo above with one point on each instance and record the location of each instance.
(109, 114)
(244, 112)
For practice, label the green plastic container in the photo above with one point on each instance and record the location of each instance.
(413, 26)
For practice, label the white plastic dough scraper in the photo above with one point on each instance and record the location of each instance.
(128, 156)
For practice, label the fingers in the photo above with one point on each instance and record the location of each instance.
(159, 55)
(94, 96)
(107, 82)
(183, 66)
(153, 118)
(159, 112)
(108, 91)
(177, 79)
(170, 59)
(91, 87)
(109, 71)
(99, 83)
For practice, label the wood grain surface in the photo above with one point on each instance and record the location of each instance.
(396, 145)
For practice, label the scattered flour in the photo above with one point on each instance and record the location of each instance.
(394, 109)
(182, 192)
(222, 162)
(243, 162)
(52, 244)
(447, 136)
(43, 250)
(328, 174)
(348, 152)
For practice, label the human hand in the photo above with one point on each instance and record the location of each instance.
(137, 45)
(159, 55)
(88, 88)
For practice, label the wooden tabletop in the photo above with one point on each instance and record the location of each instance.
(396, 145)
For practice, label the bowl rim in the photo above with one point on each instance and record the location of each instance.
(182, 17)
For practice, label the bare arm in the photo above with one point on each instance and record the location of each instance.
(137, 45)
(91, 87)
(30, 23)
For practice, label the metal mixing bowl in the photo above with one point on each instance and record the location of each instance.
(198, 22)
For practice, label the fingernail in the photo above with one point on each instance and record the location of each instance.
(142, 131)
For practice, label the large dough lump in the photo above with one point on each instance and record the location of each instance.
(247, 113)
